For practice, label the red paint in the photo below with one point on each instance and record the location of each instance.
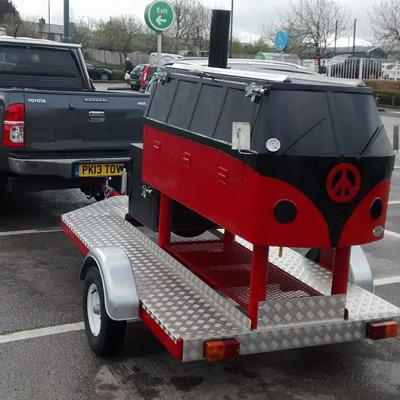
(359, 227)
(164, 225)
(74, 238)
(175, 348)
(228, 268)
(229, 192)
(341, 269)
(327, 258)
(343, 183)
(258, 281)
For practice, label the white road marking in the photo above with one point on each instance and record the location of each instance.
(387, 281)
(30, 231)
(397, 167)
(390, 233)
(391, 203)
(35, 333)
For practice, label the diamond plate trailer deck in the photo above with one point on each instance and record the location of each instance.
(184, 312)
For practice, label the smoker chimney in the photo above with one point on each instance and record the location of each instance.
(219, 38)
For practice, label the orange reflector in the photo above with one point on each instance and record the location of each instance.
(221, 349)
(382, 330)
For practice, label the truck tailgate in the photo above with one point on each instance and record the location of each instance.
(82, 121)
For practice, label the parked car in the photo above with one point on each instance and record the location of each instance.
(394, 73)
(96, 72)
(141, 75)
(386, 68)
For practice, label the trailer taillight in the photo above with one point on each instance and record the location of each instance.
(13, 134)
(382, 330)
(144, 76)
(221, 349)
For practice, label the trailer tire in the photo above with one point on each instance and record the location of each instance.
(105, 335)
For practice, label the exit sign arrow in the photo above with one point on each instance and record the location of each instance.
(160, 20)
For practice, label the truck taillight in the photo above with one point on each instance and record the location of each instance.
(14, 126)
(144, 76)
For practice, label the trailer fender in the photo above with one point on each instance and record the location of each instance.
(360, 270)
(120, 291)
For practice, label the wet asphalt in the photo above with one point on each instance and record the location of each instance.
(39, 288)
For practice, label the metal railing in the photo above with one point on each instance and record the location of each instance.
(364, 68)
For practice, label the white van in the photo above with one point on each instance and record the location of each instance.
(165, 58)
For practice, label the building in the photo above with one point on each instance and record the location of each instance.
(366, 51)
(50, 31)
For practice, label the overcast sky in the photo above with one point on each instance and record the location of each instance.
(249, 15)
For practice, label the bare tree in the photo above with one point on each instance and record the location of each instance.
(82, 32)
(181, 27)
(385, 22)
(199, 23)
(312, 24)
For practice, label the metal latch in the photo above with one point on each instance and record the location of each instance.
(146, 190)
(161, 76)
(255, 92)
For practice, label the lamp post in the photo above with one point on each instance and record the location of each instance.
(231, 33)
(67, 38)
(48, 11)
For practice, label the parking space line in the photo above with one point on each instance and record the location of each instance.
(30, 231)
(387, 281)
(35, 333)
(391, 203)
(390, 233)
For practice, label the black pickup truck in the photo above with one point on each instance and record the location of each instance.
(57, 130)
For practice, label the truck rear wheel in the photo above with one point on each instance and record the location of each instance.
(105, 335)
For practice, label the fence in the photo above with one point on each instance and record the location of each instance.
(364, 68)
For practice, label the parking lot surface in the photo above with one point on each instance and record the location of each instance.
(44, 352)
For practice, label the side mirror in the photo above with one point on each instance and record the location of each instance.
(396, 144)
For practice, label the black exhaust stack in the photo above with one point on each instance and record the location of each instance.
(219, 38)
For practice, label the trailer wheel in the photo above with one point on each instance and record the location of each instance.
(105, 335)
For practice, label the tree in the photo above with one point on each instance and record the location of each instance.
(199, 22)
(7, 10)
(120, 34)
(312, 24)
(385, 22)
(180, 30)
(15, 26)
(81, 32)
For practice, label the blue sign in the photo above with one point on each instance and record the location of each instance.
(282, 41)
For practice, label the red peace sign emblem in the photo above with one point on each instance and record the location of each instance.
(343, 183)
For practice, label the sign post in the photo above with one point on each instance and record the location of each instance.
(159, 16)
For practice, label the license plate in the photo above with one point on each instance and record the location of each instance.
(133, 82)
(97, 170)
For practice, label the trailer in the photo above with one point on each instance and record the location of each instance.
(235, 170)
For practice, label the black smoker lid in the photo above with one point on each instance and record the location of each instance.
(304, 119)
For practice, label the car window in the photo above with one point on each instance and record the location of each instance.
(28, 60)
(151, 71)
(139, 68)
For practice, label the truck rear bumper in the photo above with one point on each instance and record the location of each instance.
(62, 168)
